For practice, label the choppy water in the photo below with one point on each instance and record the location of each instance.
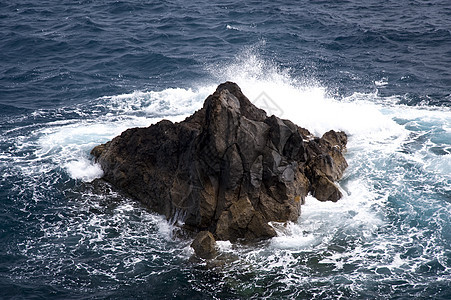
(76, 74)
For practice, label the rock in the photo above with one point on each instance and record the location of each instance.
(336, 139)
(204, 245)
(324, 189)
(227, 169)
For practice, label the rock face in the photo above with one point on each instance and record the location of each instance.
(227, 169)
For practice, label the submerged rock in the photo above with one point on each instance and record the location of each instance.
(227, 169)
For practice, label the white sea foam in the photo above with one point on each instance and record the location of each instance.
(293, 236)
(224, 246)
(165, 103)
(83, 169)
(383, 81)
(304, 101)
(229, 27)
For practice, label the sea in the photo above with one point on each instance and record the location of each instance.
(74, 74)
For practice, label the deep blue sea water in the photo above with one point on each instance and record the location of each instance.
(74, 74)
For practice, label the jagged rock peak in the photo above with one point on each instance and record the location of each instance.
(228, 169)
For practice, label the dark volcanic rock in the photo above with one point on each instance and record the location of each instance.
(228, 168)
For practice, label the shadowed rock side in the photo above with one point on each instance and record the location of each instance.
(228, 169)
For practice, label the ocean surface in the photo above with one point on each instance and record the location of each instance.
(74, 74)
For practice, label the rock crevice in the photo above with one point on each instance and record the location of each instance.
(227, 169)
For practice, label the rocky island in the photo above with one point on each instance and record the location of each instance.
(225, 171)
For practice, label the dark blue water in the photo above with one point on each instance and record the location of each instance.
(74, 74)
